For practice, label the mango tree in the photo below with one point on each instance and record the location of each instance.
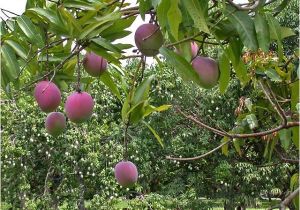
(48, 48)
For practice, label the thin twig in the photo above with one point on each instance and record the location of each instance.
(246, 135)
(200, 156)
(52, 44)
(130, 56)
(5, 10)
(287, 160)
(125, 151)
(58, 67)
(78, 70)
(269, 93)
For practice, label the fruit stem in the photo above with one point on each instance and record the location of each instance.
(78, 71)
(125, 155)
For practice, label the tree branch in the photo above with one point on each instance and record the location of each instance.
(200, 156)
(58, 67)
(130, 56)
(229, 135)
(5, 10)
(52, 44)
(289, 199)
(269, 93)
(287, 160)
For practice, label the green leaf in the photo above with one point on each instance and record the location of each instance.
(274, 27)
(294, 183)
(125, 108)
(234, 53)
(272, 146)
(49, 16)
(252, 121)
(225, 147)
(137, 112)
(224, 66)
(142, 91)
(106, 44)
(17, 48)
(150, 109)
(294, 100)
(174, 18)
(272, 74)
(298, 107)
(30, 31)
(83, 4)
(108, 81)
(117, 29)
(285, 136)
(162, 11)
(11, 61)
(98, 22)
(224, 30)
(262, 32)
(236, 144)
(144, 6)
(266, 149)
(160, 141)
(3, 29)
(286, 32)
(99, 50)
(183, 68)
(244, 26)
(70, 22)
(198, 12)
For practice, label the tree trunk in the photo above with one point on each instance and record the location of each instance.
(81, 193)
(22, 201)
(241, 207)
(229, 205)
(55, 202)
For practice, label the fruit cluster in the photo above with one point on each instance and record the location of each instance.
(148, 39)
(79, 105)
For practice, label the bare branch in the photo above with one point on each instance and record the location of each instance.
(269, 93)
(198, 122)
(52, 44)
(229, 135)
(131, 56)
(200, 156)
(5, 10)
(287, 160)
(46, 188)
(289, 199)
(58, 67)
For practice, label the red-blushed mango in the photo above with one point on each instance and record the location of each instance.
(191, 51)
(79, 107)
(126, 173)
(208, 71)
(47, 95)
(194, 49)
(148, 39)
(55, 123)
(94, 64)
